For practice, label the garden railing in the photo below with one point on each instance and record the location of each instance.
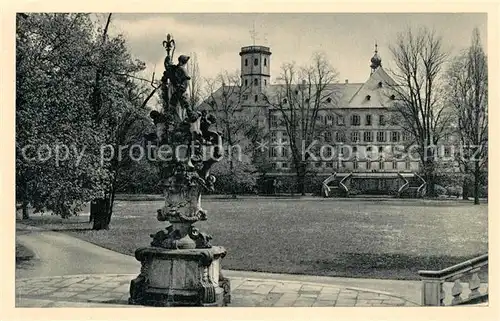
(433, 283)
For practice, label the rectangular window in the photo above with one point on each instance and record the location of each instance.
(406, 136)
(394, 165)
(367, 137)
(256, 82)
(354, 149)
(339, 137)
(284, 138)
(329, 119)
(368, 120)
(355, 120)
(407, 165)
(273, 152)
(380, 165)
(340, 120)
(274, 120)
(255, 62)
(395, 137)
(447, 151)
(273, 165)
(355, 137)
(256, 98)
(381, 137)
(355, 164)
(245, 97)
(381, 120)
(284, 151)
(274, 138)
(368, 164)
(328, 136)
(380, 149)
(329, 165)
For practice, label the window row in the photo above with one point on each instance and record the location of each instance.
(255, 82)
(356, 120)
(369, 137)
(343, 151)
(369, 165)
(256, 62)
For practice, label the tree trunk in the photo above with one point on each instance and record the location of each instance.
(477, 176)
(465, 189)
(231, 170)
(99, 210)
(26, 214)
(301, 175)
(430, 179)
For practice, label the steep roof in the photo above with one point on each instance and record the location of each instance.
(344, 95)
(374, 93)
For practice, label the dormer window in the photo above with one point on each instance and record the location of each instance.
(393, 97)
(368, 97)
(285, 101)
(380, 84)
(328, 100)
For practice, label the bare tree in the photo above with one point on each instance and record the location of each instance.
(195, 90)
(239, 126)
(297, 102)
(419, 59)
(468, 93)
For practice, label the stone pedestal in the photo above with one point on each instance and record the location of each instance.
(181, 277)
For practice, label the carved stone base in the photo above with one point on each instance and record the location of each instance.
(185, 277)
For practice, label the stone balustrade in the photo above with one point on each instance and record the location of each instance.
(455, 278)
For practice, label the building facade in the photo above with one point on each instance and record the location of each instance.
(360, 133)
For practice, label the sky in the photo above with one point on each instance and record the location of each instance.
(347, 39)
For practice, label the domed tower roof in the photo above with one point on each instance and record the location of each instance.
(376, 61)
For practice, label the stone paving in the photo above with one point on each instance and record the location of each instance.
(112, 291)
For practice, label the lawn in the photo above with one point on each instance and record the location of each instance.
(334, 237)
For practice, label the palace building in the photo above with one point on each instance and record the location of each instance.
(364, 143)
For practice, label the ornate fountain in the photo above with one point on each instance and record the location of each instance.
(181, 267)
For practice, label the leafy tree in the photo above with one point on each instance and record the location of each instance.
(240, 178)
(76, 91)
(53, 68)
